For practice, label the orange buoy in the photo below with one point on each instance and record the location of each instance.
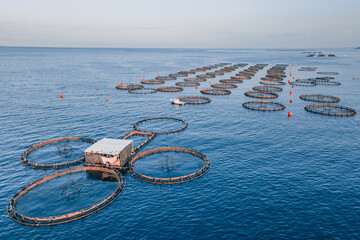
(107, 99)
(292, 86)
(291, 101)
(143, 79)
(288, 81)
(290, 75)
(121, 83)
(158, 75)
(291, 92)
(289, 113)
(195, 87)
(61, 95)
(181, 70)
(209, 82)
(293, 77)
(97, 89)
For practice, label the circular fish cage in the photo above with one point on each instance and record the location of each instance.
(205, 76)
(215, 91)
(129, 87)
(231, 81)
(187, 84)
(158, 124)
(328, 83)
(194, 100)
(67, 192)
(170, 180)
(195, 79)
(328, 73)
(319, 98)
(263, 106)
(265, 95)
(272, 83)
(242, 77)
(331, 110)
(62, 150)
(188, 72)
(273, 79)
(143, 91)
(223, 85)
(267, 89)
(303, 83)
(178, 75)
(165, 78)
(170, 89)
(153, 82)
(216, 73)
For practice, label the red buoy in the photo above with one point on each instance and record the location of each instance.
(209, 82)
(107, 99)
(61, 95)
(121, 83)
(292, 86)
(288, 81)
(195, 87)
(291, 101)
(290, 114)
(158, 75)
(291, 92)
(290, 75)
(97, 89)
(293, 77)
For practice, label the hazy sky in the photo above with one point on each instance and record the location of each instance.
(180, 23)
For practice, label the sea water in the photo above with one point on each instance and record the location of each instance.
(272, 177)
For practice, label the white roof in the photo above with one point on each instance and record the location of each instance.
(109, 146)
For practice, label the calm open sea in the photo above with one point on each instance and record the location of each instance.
(271, 177)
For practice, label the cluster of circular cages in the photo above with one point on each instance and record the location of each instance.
(116, 171)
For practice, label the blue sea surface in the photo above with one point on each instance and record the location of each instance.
(272, 177)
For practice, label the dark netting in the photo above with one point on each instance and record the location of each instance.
(263, 106)
(331, 110)
(232, 81)
(161, 125)
(169, 167)
(57, 153)
(272, 83)
(215, 91)
(265, 95)
(319, 98)
(216, 73)
(62, 196)
(327, 83)
(223, 85)
(248, 74)
(194, 79)
(194, 100)
(267, 89)
(303, 83)
(170, 89)
(205, 76)
(188, 72)
(143, 91)
(129, 86)
(165, 78)
(199, 70)
(178, 75)
(324, 78)
(328, 73)
(187, 84)
(153, 82)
